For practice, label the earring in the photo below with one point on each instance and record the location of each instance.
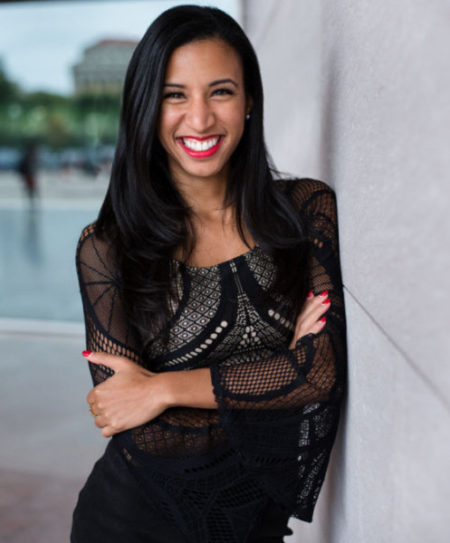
(247, 117)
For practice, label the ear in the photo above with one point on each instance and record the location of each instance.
(248, 104)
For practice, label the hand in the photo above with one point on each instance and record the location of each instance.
(129, 398)
(309, 319)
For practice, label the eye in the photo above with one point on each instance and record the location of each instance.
(175, 95)
(223, 92)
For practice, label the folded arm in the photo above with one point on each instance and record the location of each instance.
(289, 378)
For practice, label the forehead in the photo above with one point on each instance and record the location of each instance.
(204, 61)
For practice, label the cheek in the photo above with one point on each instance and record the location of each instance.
(166, 126)
(231, 115)
(237, 120)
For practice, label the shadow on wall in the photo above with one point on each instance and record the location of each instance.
(328, 137)
(334, 507)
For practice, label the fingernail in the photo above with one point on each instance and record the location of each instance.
(324, 293)
(86, 353)
(323, 319)
(310, 294)
(325, 302)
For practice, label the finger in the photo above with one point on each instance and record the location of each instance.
(108, 431)
(311, 323)
(113, 361)
(321, 308)
(100, 422)
(90, 398)
(307, 320)
(316, 304)
(312, 311)
(316, 326)
(94, 397)
(311, 296)
(312, 301)
(319, 325)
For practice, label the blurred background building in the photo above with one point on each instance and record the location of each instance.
(103, 67)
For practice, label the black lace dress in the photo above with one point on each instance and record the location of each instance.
(212, 473)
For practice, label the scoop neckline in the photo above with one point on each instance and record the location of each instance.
(218, 265)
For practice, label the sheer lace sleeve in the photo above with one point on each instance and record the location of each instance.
(106, 327)
(281, 407)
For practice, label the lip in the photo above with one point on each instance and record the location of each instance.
(201, 154)
(198, 138)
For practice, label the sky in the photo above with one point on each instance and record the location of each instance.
(40, 41)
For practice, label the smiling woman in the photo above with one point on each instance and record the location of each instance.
(205, 281)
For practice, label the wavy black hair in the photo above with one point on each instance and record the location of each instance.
(144, 215)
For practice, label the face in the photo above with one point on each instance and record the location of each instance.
(203, 110)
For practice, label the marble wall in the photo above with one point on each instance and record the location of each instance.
(357, 94)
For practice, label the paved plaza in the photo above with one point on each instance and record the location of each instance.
(49, 441)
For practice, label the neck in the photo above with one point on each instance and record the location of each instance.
(205, 196)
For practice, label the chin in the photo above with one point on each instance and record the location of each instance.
(203, 172)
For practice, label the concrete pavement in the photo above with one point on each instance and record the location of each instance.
(49, 441)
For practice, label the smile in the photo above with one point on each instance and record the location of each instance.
(200, 148)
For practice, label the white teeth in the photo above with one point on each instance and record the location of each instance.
(196, 145)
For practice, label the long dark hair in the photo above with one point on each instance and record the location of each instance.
(144, 216)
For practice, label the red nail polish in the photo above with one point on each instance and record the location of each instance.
(86, 353)
(324, 293)
(326, 302)
(310, 294)
(323, 319)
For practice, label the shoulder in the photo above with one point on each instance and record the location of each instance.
(303, 188)
(87, 239)
(95, 253)
(305, 192)
(91, 236)
(87, 232)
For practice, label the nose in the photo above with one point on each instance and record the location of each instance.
(199, 115)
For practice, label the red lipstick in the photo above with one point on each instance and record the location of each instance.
(201, 154)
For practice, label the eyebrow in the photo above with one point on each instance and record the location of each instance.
(212, 84)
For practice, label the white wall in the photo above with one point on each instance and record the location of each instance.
(358, 94)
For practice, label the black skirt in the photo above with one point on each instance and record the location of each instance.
(111, 508)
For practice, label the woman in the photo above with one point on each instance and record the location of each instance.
(201, 260)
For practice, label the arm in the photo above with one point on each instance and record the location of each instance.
(107, 331)
(310, 372)
(283, 410)
(125, 395)
(313, 370)
(106, 328)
